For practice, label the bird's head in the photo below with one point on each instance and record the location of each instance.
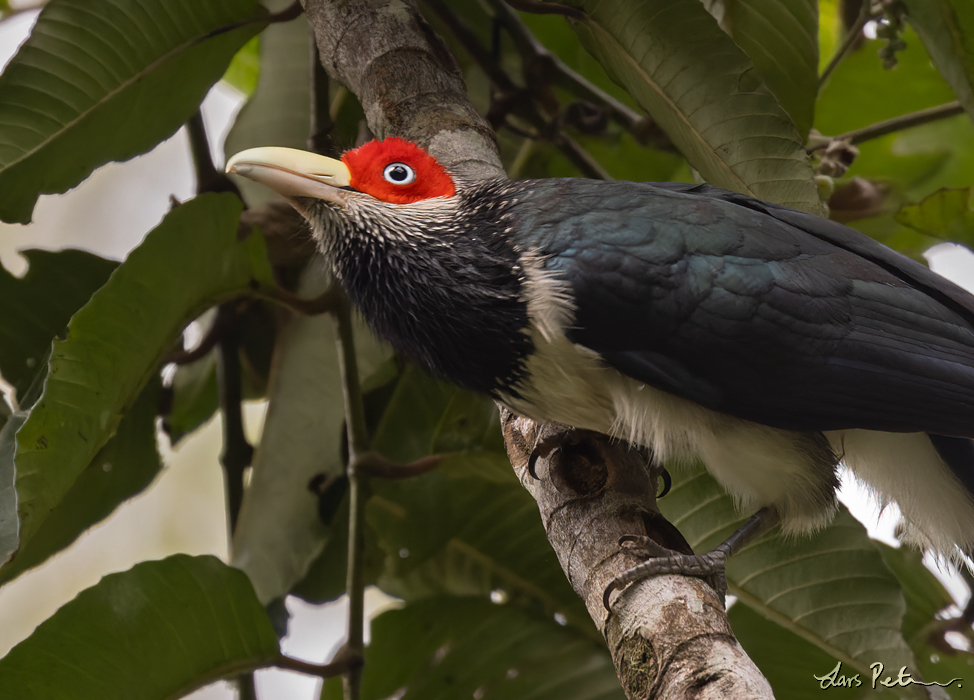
(392, 171)
(417, 254)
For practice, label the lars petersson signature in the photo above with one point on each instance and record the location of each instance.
(836, 679)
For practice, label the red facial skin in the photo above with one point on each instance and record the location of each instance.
(367, 163)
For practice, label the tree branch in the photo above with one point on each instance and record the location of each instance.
(539, 7)
(342, 662)
(208, 178)
(358, 444)
(666, 634)
(237, 453)
(889, 126)
(532, 51)
(407, 81)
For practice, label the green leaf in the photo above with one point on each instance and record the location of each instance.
(860, 92)
(947, 30)
(950, 671)
(706, 94)
(830, 31)
(36, 307)
(106, 80)
(9, 523)
(244, 69)
(279, 110)
(885, 229)
(460, 529)
(195, 397)
(945, 214)
(468, 527)
(926, 601)
(194, 390)
(125, 466)
(781, 38)
(279, 532)
(448, 647)
(925, 595)
(832, 588)
(910, 164)
(791, 663)
(155, 632)
(114, 344)
(424, 416)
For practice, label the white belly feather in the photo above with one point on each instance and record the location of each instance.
(757, 465)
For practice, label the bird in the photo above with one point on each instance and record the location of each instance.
(767, 343)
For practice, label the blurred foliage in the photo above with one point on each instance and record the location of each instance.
(244, 69)
(660, 90)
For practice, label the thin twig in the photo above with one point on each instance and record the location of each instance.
(580, 158)
(564, 77)
(237, 453)
(319, 140)
(906, 121)
(348, 661)
(202, 349)
(358, 444)
(513, 99)
(374, 464)
(247, 686)
(480, 55)
(327, 302)
(544, 8)
(358, 440)
(208, 178)
(292, 11)
(865, 14)
(342, 662)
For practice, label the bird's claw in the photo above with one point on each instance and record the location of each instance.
(544, 447)
(667, 482)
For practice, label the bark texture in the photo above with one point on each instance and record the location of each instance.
(407, 81)
(669, 636)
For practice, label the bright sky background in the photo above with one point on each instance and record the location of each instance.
(183, 511)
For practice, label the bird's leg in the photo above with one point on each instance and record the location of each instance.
(709, 565)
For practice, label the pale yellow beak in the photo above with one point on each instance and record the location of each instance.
(293, 173)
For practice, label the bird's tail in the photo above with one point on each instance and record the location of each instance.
(930, 478)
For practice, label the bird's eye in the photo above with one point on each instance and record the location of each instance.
(399, 174)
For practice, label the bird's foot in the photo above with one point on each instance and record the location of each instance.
(708, 566)
(660, 561)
